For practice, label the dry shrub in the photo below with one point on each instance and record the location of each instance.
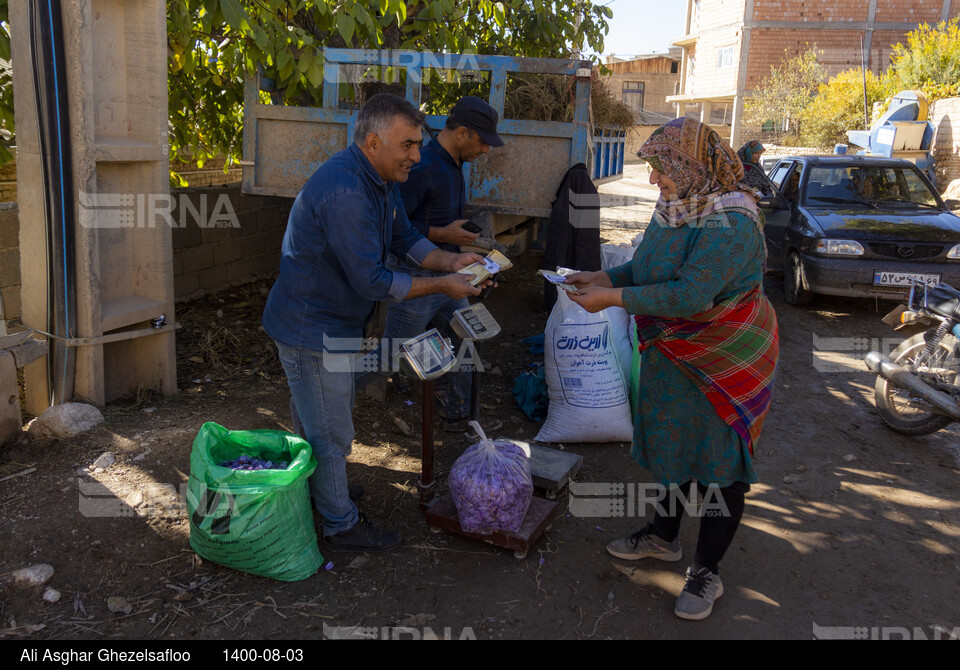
(552, 97)
(220, 348)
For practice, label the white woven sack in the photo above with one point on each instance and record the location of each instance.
(587, 358)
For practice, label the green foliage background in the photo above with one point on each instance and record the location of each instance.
(6, 88)
(929, 62)
(213, 42)
(838, 106)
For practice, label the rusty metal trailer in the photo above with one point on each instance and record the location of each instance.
(508, 189)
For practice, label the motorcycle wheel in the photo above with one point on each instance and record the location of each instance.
(913, 416)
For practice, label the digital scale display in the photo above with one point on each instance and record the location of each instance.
(474, 323)
(429, 355)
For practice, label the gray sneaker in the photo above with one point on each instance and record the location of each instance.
(643, 544)
(699, 593)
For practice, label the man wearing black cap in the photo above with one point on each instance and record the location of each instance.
(434, 197)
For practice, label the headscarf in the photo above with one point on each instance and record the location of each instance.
(745, 153)
(707, 172)
(754, 176)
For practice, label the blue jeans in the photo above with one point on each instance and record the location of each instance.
(322, 399)
(410, 318)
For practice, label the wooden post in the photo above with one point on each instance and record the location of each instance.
(427, 483)
(116, 74)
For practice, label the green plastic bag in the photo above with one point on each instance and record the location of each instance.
(258, 521)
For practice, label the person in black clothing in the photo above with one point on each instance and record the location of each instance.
(434, 198)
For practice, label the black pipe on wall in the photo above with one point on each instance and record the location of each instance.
(53, 121)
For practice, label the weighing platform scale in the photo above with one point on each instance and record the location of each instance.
(429, 356)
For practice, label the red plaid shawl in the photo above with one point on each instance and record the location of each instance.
(730, 351)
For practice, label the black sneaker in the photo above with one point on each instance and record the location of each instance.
(363, 537)
(446, 409)
(403, 385)
(488, 424)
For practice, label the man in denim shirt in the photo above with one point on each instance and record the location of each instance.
(434, 197)
(344, 222)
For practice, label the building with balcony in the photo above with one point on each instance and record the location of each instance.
(730, 45)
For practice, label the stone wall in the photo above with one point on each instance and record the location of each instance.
(209, 256)
(946, 144)
(238, 239)
(10, 260)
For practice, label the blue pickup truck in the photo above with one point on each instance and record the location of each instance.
(509, 189)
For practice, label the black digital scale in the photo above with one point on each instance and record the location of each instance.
(429, 356)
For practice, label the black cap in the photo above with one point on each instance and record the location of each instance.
(473, 113)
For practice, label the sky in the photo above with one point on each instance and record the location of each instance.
(643, 26)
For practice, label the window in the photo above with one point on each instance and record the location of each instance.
(780, 173)
(871, 184)
(674, 67)
(725, 57)
(633, 94)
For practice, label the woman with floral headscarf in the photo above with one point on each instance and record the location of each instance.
(709, 343)
(753, 174)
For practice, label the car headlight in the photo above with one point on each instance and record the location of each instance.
(839, 248)
(954, 254)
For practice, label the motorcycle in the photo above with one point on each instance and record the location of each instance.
(917, 390)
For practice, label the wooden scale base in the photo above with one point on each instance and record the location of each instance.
(441, 513)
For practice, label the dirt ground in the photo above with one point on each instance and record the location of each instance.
(852, 525)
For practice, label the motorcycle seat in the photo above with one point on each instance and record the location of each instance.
(945, 301)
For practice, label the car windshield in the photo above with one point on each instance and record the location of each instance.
(869, 186)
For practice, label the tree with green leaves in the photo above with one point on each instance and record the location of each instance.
(789, 89)
(929, 61)
(838, 106)
(6, 87)
(213, 43)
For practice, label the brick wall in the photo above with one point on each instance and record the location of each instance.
(815, 10)
(8, 180)
(919, 11)
(209, 257)
(782, 29)
(946, 144)
(770, 47)
(10, 260)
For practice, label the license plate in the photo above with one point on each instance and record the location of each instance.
(882, 278)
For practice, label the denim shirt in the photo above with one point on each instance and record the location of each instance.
(433, 196)
(341, 227)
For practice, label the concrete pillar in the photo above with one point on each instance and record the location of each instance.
(706, 109)
(735, 131)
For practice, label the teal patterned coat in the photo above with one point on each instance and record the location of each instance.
(679, 272)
